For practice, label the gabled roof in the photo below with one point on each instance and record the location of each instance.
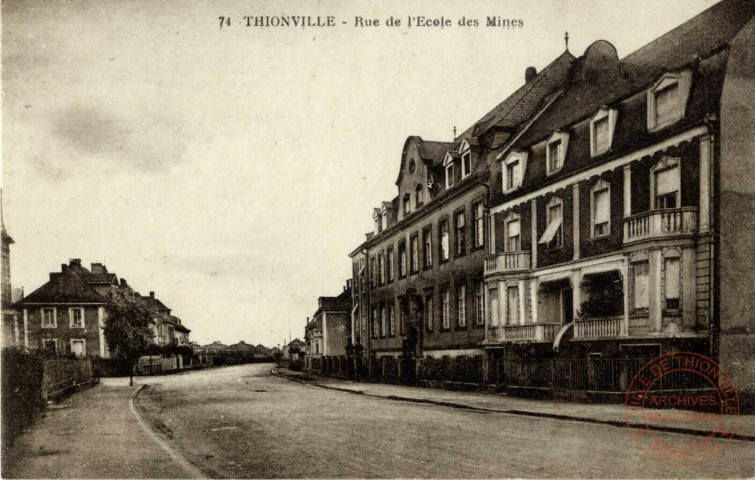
(64, 287)
(295, 342)
(241, 346)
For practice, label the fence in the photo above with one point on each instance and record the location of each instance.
(599, 375)
(28, 380)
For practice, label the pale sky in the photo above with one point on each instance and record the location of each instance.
(232, 170)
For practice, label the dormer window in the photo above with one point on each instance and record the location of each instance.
(512, 170)
(601, 130)
(449, 175)
(466, 159)
(667, 99)
(556, 151)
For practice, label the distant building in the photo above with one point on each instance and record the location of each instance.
(214, 347)
(295, 344)
(68, 313)
(330, 328)
(12, 330)
(241, 347)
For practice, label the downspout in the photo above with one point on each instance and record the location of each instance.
(714, 323)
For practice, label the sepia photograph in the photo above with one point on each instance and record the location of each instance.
(328, 239)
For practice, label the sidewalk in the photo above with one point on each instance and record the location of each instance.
(93, 434)
(608, 414)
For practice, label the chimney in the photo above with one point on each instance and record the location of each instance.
(151, 294)
(74, 261)
(123, 282)
(98, 268)
(530, 74)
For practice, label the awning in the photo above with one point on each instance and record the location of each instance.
(550, 232)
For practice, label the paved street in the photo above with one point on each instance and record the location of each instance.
(241, 422)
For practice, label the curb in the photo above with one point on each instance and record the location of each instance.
(524, 413)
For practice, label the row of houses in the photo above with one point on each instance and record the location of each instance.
(601, 212)
(241, 348)
(67, 314)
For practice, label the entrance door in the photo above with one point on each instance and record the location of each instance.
(567, 306)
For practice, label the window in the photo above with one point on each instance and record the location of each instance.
(389, 262)
(478, 230)
(461, 295)
(512, 176)
(459, 238)
(50, 345)
(479, 306)
(512, 303)
(79, 347)
(554, 156)
(444, 241)
(429, 312)
(553, 236)
(446, 313)
(666, 104)
(49, 318)
(466, 164)
(513, 239)
(381, 267)
(374, 272)
(672, 283)
(601, 209)
(414, 252)
(427, 246)
(420, 198)
(383, 325)
(601, 130)
(667, 99)
(641, 270)
(493, 296)
(402, 259)
(391, 321)
(401, 319)
(407, 204)
(449, 175)
(600, 137)
(667, 188)
(77, 317)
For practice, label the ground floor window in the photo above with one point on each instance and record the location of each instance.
(513, 305)
(640, 285)
(79, 347)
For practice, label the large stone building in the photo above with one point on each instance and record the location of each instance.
(418, 277)
(599, 214)
(621, 233)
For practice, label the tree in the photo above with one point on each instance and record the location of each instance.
(127, 331)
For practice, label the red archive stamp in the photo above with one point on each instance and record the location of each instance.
(685, 391)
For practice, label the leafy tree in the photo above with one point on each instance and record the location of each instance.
(127, 332)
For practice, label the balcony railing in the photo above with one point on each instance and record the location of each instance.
(507, 262)
(663, 223)
(531, 332)
(598, 327)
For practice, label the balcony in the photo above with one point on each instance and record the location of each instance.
(660, 224)
(598, 327)
(531, 332)
(507, 262)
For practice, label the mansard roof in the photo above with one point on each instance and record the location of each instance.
(696, 44)
(525, 101)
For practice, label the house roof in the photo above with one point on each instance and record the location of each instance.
(295, 342)
(699, 38)
(524, 102)
(241, 346)
(64, 287)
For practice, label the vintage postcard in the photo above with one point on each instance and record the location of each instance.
(329, 239)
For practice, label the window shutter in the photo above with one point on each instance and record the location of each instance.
(602, 207)
(667, 181)
(513, 228)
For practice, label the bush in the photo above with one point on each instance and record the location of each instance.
(22, 376)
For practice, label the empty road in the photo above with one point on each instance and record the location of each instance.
(242, 422)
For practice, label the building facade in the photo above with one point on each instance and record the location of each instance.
(67, 314)
(604, 240)
(329, 330)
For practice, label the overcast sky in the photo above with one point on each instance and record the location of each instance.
(232, 170)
